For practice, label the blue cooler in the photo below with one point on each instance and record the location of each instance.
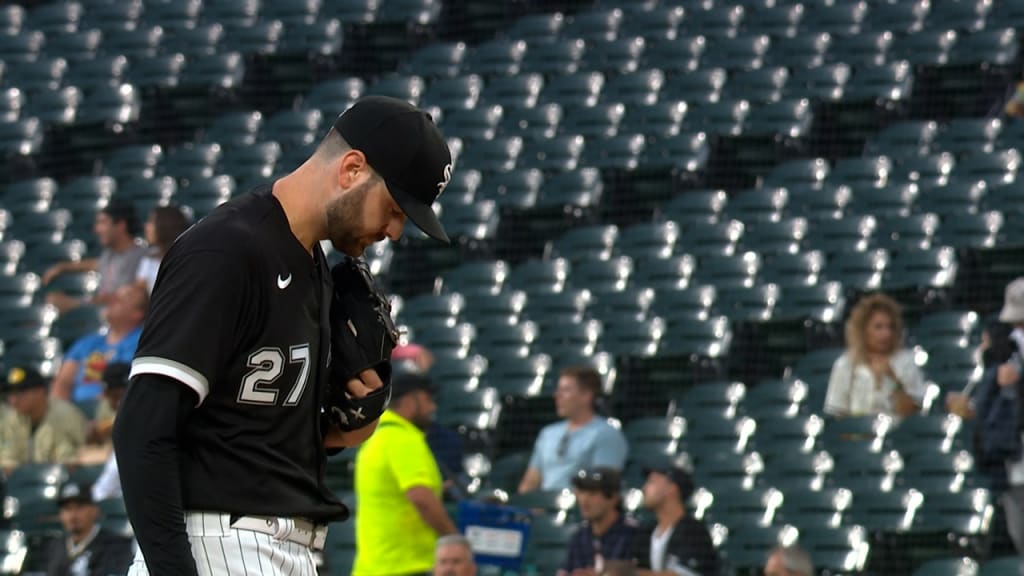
(497, 533)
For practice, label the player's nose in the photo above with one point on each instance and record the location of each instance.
(394, 228)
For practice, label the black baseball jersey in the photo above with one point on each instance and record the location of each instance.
(239, 315)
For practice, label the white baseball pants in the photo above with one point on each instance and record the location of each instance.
(221, 550)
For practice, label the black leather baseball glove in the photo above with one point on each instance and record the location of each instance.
(363, 334)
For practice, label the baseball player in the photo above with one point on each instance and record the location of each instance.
(257, 360)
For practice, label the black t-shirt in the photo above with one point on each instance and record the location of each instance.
(689, 551)
(239, 315)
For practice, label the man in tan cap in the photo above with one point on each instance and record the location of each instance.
(38, 428)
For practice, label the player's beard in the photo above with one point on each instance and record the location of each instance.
(344, 220)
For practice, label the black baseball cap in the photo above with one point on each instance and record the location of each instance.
(21, 378)
(403, 145)
(116, 375)
(677, 475)
(600, 479)
(403, 383)
(74, 492)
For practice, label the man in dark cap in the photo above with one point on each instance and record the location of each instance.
(222, 435)
(116, 229)
(37, 429)
(398, 485)
(605, 533)
(678, 545)
(87, 549)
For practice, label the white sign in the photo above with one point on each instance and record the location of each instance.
(495, 541)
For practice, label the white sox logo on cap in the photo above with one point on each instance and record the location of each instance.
(447, 178)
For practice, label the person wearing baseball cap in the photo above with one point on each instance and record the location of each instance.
(677, 544)
(605, 534)
(38, 428)
(87, 549)
(399, 486)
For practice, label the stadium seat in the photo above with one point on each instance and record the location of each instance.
(195, 43)
(496, 58)
(654, 23)
(713, 21)
(234, 128)
(929, 47)
(599, 121)
(695, 206)
(804, 51)
(963, 566)
(536, 27)
(136, 42)
(1002, 566)
(259, 39)
(596, 24)
(864, 49)
(704, 239)
(699, 87)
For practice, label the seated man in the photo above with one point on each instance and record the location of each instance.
(116, 227)
(80, 376)
(88, 549)
(605, 533)
(453, 556)
(582, 440)
(678, 545)
(38, 429)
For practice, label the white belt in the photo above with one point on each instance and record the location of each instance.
(291, 529)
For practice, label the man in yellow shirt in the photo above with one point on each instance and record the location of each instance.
(37, 429)
(399, 514)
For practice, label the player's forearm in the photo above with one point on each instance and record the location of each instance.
(431, 510)
(146, 444)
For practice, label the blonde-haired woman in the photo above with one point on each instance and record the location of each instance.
(875, 375)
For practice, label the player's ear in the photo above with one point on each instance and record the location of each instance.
(351, 164)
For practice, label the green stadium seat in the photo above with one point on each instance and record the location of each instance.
(776, 21)
(915, 232)
(1002, 566)
(479, 123)
(996, 167)
(654, 23)
(158, 74)
(728, 271)
(794, 270)
(174, 15)
(643, 242)
(137, 42)
(598, 121)
(501, 57)
(536, 27)
(53, 19)
(929, 47)
(597, 24)
(12, 17)
(78, 46)
(714, 21)
(695, 206)
(657, 120)
(758, 86)
(189, 161)
(704, 239)
(697, 88)
(438, 60)
(911, 137)
(736, 53)
(587, 243)
(195, 43)
(555, 57)
(839, 550)
(614, 57)
(507, 470)
(803, 51)
(235, 15)
(579, 89)
(676, 56)
(958, 566)
(138, 161)
(293, 128)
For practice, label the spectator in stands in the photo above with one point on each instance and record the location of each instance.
(39, 429)
(453, 556)
(80, 376)
(398, 486)
(994, 349)
(163, 227)
(87, 548)
(115, 381)
(789, 561)
(998, 410)
(876, 374)
(678, 543)
(115, 229)
(605, 533)
(581, 440)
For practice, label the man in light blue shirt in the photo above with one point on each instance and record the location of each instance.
(580, 440)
